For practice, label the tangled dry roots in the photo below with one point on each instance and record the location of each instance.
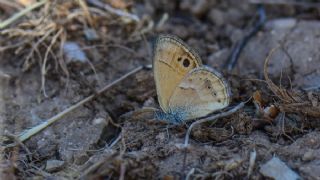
(302, 103)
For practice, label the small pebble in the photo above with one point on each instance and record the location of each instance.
(91, 34)
(217, 17)
(54, 165)
(284, 23)
(308, 156)
(278, 170)
(73, 52)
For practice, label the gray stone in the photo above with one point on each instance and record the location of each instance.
(278, 170)
(81, 136)
(302, 42)
(217, 17)
(74, 53)
(285, 23)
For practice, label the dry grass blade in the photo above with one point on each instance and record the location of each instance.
(86, 11)
(252, 161)
(287, 2)
(30, 132)
(43, 68)
(113, 10)
(27, 64)
(21, 13)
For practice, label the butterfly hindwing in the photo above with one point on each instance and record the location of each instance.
(201, 92)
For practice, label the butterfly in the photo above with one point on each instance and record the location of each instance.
(186, 89)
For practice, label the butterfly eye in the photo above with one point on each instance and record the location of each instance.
(186, 63)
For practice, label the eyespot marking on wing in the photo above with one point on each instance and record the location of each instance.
(186, 62)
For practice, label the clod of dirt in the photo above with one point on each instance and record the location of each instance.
(311, 170)
(132, 166)
(305, 148)
(84, 135)
(233, 163)
(278, 170)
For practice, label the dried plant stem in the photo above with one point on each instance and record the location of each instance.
(211, 118)
(21, 13)
(115, 141)
(252, 160)
(286, 2)
(44, 64)
(113, 10)
(86, 11)
(122, 171)
(30, 132)
(190, 173)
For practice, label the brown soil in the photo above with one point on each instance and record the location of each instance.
(107, 139)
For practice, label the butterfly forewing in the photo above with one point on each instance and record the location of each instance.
(172, 60)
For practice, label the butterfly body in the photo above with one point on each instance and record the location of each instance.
(186, 89)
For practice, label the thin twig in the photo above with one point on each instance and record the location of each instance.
(35, 46)
(113, 10)
(86, 11)
(122, 171)
(232, 60)
(211, 118)
(310, 88)
(44, 64)
(218, 174)
(30, 132)
(115, 141)
(19, 44)
(21, 13)
(286, 2)
(190, 173)
(283, 115)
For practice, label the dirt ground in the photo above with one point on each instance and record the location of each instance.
(61, 52)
